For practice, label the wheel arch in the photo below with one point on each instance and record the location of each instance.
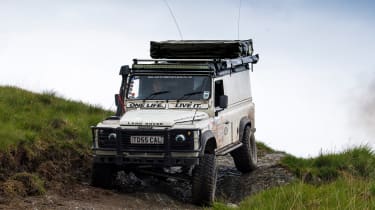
(208, 142)
(245, 121)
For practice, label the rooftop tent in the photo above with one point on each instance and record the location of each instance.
(190, 49)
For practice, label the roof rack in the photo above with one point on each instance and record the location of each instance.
(218, 57)
(229, 63)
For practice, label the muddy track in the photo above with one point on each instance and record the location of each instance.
(153, 193)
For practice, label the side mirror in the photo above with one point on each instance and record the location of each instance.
(223, 101)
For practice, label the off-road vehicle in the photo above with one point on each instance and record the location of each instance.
(178, 111)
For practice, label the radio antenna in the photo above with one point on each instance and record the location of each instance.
(238, 20)
(174, 18)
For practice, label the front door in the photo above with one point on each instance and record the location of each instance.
(222, 118)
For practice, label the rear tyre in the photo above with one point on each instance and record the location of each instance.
(103, 175)
(245, 157)
(204, 181)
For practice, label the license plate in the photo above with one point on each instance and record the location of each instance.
(147, 140)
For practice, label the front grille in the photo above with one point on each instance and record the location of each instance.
(123, 138)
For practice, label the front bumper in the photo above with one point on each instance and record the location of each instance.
(166, 161)
(121, 152)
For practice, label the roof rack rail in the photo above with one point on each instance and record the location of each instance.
(155, 61)
(229, 62)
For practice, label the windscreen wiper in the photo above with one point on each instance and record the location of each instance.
(189, 94)
(156, 93)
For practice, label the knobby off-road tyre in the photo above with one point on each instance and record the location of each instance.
(204, 181)
(103, 175)
(245, 157)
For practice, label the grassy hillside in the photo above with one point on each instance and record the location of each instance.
(343, 180)
(44, 141)
(28, 117)
(45, 144)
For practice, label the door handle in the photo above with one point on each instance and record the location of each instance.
(226, 122)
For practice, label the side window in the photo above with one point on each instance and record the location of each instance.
(219, 91)
(133, 91)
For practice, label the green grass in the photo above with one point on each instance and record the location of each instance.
(43, 139)
(264, 148)
(358, 161)
(344, 193)
(30, 117)
(343, 180)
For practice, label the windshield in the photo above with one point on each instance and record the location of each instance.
(170, 87)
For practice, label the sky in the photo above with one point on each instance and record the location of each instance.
(314, 86)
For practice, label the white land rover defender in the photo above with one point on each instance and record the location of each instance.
(181, 109)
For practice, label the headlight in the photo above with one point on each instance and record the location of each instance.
(180, 138)
(106, 137)
(112, 136)
(184, 139)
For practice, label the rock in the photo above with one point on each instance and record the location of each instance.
(232, 205)
(233, 186)
(128, 182)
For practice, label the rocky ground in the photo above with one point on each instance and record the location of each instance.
(152, 193)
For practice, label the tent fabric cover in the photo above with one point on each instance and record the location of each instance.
(190, 49)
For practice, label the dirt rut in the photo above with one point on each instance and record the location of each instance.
(153, 193)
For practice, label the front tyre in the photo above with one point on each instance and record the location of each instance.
(245, 157)
(204, 181)
(103, 175)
